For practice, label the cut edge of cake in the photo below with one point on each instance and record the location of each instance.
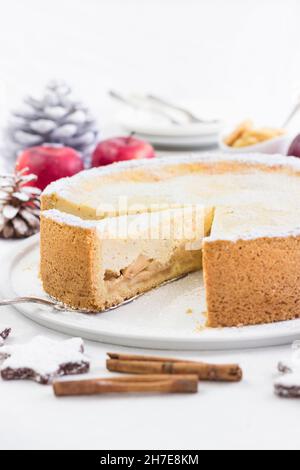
(93, 266)
(252, 275)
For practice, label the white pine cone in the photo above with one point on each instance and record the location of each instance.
(54, 119)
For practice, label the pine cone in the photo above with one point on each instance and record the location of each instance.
(55, 119)
(19, 206)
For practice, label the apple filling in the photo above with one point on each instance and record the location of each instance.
(139, 271)
(144, 271)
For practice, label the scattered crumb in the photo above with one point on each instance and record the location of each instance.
(199, 327)
(189, 311)
(30, 267)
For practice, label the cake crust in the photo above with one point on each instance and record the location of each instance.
(250, 282)
(70, 260)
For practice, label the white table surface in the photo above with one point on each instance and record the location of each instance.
(229, 416)
(238, 58)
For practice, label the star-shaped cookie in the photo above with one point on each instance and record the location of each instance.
(3, 335)
(43, 360)
(288, 384)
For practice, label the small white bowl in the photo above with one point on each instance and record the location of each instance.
(279, 145)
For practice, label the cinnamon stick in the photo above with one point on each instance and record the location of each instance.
(130, 384)
(139, 357)
(204, 371)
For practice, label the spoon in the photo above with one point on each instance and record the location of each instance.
(134, 104)
(191, 116)
(292, 114)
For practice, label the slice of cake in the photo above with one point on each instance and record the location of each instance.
(251, 264)
(94, 265)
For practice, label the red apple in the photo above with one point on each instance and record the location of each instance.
(294, 150)
(50, 163)
(121, 148)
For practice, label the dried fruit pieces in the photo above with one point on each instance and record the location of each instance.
(246, 135)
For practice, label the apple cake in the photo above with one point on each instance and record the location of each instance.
(109, 234)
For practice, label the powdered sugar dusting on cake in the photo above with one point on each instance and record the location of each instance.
(69, 219)
(266, 232)
(248, 159)
(149, 225)
(252, 222)
(274, 190)
(237, 231)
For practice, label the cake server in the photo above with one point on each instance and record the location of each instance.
(60, 307)
(33, 300)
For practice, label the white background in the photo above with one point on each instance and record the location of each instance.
(239, 58)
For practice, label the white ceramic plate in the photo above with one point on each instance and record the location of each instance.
(158, 320)
(153, 125)
(182, 142)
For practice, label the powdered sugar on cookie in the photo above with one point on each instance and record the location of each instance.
(4, 334)
(43, 360)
